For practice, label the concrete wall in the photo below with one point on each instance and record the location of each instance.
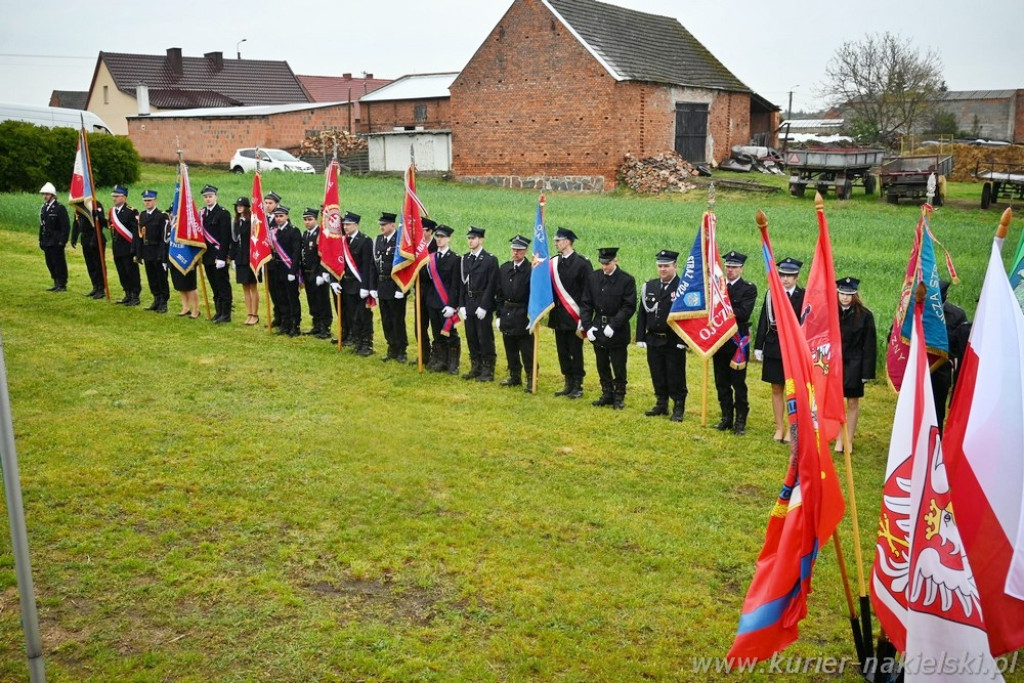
(389, 152)
(997, 118)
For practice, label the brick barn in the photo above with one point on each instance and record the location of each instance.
(562, 90)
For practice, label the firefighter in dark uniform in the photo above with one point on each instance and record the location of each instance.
(767, 348)
(317, 281)
(355, 287)
(217, 224)
(423, 283)
(285, 276)
(958, 331)
(54, 230)
(151, 250)
(390, 297)
(442, 298)
(609, 302)
(271, 201)
(666, 355)
(568, 280)
(860, 350)
(124, 230)
(479, 274)
(92, 250)
(513, 298)
(730, 361)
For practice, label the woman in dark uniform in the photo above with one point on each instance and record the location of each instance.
(241, 230)
(766, 346)
(860, 347)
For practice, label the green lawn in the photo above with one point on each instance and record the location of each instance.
(211, 503)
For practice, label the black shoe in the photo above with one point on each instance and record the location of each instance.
(364, 350)
(660, 408)
(60, 288)
(223, 319)
(99, 295)
(567, 389)
(724, 425)
(292, 332)
(577, 392)
(677, 413)
(309, 333)
(281, 330)
(124, 301)
(52, 289)
(162, 308)
(400, 357)
(275, 323)
(324, 334)
(91, 294)
(152, 306)
(134, 301)
(510, 382)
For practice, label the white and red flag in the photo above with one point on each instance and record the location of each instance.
(331, 238)
(985, 450)
(259, 236)
(922, 585)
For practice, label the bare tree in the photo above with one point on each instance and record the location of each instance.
(887, 83)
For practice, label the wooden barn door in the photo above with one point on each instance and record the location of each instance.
(691, 130)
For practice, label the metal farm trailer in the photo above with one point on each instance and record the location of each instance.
(838, 168)
(1003, 180)
(907, 177)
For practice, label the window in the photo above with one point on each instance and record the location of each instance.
(106, 94)
(420, 113)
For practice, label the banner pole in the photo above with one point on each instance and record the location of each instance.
(536, 352)
(704, 394)
(858, 637)
(202, 282)
(865, 601)
(266, 295)
(419, 330)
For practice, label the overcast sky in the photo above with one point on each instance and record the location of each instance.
(773, 47)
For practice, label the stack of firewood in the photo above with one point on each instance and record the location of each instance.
(666, 172)
(322, 143)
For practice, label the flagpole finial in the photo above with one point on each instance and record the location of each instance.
(711, 196)
(762, 220)
(819, 202)
(1004, 223)
(920, 293)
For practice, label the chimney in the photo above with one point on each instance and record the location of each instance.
(367, 76)
(347, 77)
(216, 60)
(174, 60)
(142, 95)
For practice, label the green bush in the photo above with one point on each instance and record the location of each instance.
(33, 155)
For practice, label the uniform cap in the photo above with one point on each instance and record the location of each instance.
(273, 196)
(565, 234)
(666, 256)
(607, 254)
(735, 258)
(310, 212)
(475, 231)
(209, 189)
(519, 242)
(386, 217)
(443, 230)
(48, 188)
(943, 289)
(243, 201)
(351, 218)
(847, 285)
(429, 224)
(149, 194)
(789, 266)
(282, 209)
(120, 189)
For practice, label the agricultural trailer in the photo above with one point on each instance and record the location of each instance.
(1003, 180)
(838, 168)
(906, 177)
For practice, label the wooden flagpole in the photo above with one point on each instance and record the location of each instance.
(266, 293)
(858, 636)
(536, 361)
(202, 282)
(704, 393)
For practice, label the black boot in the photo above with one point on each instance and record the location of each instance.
(54, 288)
(725, 423)
(678, 409)
(567, 389)
(125, 299)
(513, 380)
(740, 428)
(474, 368)
(389, 356)
(91, 293)
(528, 386)
(618, 395)
(486, 370)
(133, 299)
(607, 397)
(162, 307)
(454, 353)
(153, 306)
(365, 347)
(577, 387)
(400, 356)
(438, 358)
(660, 408)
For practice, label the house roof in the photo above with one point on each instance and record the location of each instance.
(222, 81)
(636, 46)
(978, 95)
(340, 88)
(237, 112)
(415, 87)
(69, 99)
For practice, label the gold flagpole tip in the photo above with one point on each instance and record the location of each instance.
(920, 293)
(1004, 224)
(762, 219)
(819, 202)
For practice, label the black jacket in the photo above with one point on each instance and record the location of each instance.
(54, 225)
(609, 300)
(573, 272)
(743, 297)
(384, 259)
(448, 272)
(311, 254)
(129, 218)
(290, 240)
(860, 345)
(152, 242)
(361, 248)
(479, 277)
(513, 297)
(652, 315)
(81, 230)
(768, 333)
(217, 222)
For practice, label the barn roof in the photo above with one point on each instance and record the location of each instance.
(637, 46)
(415, 87)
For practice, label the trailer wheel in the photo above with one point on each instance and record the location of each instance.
(986, 195)
(869, 183)
(797, 189)
(845, 191)
(822, 189)
(996, 189)
(892, 198)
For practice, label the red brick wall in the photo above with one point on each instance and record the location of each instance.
(534, 102)
(385, 116)
(214, 140)
(1018, 119)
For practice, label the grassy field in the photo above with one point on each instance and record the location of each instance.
(210, 503)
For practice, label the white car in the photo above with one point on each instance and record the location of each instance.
(244, 161)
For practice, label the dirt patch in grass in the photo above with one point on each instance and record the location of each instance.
(388, 601)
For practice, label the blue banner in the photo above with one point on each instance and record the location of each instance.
(692, 294)
(542, 296)
(935, 336)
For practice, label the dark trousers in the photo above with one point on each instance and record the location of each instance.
(570, 353)
(220, 286)
(423, 331)
(128, 274)
(480, 336)
(357, 319)
(518, 353)
(436, 323)
(92, 257)
(942, 380)
(730, 383)
(392, 321)
(276, 289)
(611, 363)
(667, 364)
(56, 263)
(318, 300)
(156, 278)
(290, 308)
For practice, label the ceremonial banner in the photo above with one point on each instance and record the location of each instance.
(411, 253)
(922, 585)
(820, 320)
(187, 245)
(807, 510)
(1017, 271)
(542, 296)
(984, 445)
(331, 238)
(701, 312)
(259, 235)
(82, 195)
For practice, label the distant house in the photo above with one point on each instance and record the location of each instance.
(342, 89)
(172, 81)
(562, 90)
(987, 114)
(413, 112)
(69, 99)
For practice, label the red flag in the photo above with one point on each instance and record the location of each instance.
(985, 454)
(807, 510)
(82, 195)
(259, 239)
(332, 239)
(821, 327)
(412, 249)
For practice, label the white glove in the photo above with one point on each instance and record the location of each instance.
(373, 293)
(641, 345)
(681, 346)
(480, 313)
(592, 333)
(759, 355)
(497, 322)
(608, 331)
(447, 311)
(399, 294)
(165, 268)
(220, 263)
(336, 288)
(462, 312)
(291, 278)
(319, 280)
(579, 326)
(864, 381)
(363, 293)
